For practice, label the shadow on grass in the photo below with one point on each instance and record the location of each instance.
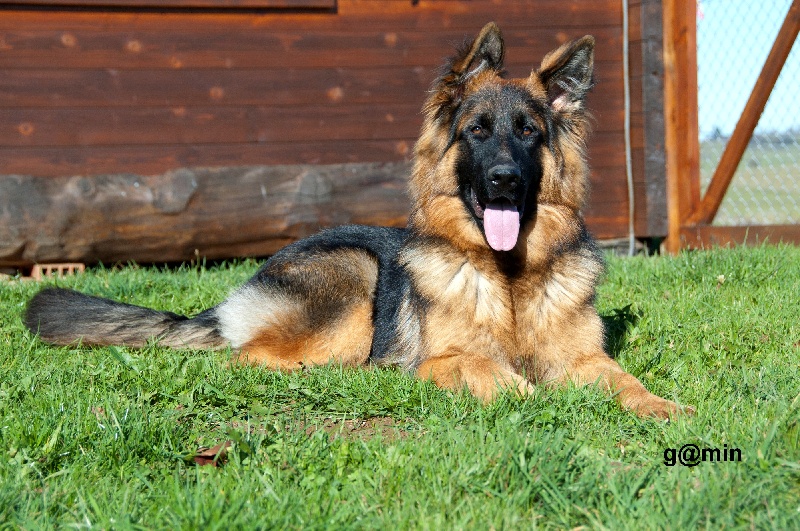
(617, 326)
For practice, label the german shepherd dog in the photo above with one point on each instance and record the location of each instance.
(491, 286)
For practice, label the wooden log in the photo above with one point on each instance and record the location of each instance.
(176, 216)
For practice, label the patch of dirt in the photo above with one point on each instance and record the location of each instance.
(361, 429)
(387, 428)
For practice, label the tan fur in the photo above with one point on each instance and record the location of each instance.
(293, 343)
(291, 332)
(472, 317)
(485, 329)
(483, 376)
(455, 310)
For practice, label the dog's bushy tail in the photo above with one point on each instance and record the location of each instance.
(64, 317)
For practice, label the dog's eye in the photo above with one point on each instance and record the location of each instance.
(528, 130)
(476, 130)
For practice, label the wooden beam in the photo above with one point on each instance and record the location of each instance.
(185, 213)
(652, 90)
(747, 123)
(186, 4)
(704, 236)
(681, 140)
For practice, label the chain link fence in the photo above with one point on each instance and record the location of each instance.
(734, 38)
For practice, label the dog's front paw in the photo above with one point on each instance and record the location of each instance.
(653, 406)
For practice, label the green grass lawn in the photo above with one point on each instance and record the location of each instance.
(107, 437)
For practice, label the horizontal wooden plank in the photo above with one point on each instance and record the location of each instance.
(149, 159)
(430, 15)
(153, 159)
(219, 48)
(705, 237)
(183, 4)
(111, 87)
(179, 124)
(206, 125)
(76, 88)
(606, 227)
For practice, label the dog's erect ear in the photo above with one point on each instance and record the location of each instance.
(567, 74)
(485, 52)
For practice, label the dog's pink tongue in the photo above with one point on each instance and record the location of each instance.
(501, 225)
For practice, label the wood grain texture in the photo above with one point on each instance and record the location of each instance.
(152, 159)
(706, 237)
(143, 92)
(647, 91)
(557, 16)
(65, 88)
(220, 212)
(186, 4)
(206, 125)
(124, 48)
(681, 139)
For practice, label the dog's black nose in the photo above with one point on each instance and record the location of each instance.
(505, 177)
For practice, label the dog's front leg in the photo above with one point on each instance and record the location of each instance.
(482, 375)
(576, 355)
(629, 391)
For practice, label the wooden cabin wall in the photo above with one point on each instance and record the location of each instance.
(137, 90)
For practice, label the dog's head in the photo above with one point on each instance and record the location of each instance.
(502, 146)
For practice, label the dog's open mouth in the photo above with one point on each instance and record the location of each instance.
(500, 222)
